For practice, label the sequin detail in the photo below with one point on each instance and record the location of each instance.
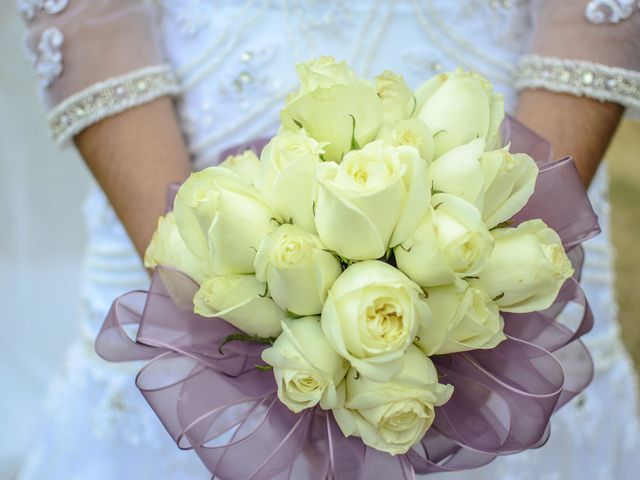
(110, 97)
(581, 78)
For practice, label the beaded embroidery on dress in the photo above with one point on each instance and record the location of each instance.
(235, 64)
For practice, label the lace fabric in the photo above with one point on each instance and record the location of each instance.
(560, 29)
(610, 11)
(74, 44)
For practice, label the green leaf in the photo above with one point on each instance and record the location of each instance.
(266, 291)
(354, 142)
(293, 315)
(415, 106)
(408, 250)
(346, 261)
(505, 224)
(264, 368)
(297, 123)
(245, 337)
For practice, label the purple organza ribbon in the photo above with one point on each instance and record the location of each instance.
(215, 401)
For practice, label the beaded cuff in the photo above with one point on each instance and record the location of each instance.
(580, 78)
(110, 97)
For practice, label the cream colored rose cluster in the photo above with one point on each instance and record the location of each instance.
(371, 234)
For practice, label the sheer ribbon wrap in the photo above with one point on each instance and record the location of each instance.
(213, 399)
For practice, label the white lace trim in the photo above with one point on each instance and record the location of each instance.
(580, 78)
(46, 63)
(618, 10)
(29, 8)
(110, 97)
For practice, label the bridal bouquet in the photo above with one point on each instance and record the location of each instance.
(378, 293)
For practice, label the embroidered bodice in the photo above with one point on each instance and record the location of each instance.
(237, 78)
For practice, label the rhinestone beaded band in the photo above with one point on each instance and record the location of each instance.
(110, 97)
(580, 78)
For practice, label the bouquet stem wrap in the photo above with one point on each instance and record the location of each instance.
(211, 397)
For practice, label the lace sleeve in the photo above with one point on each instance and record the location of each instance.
(94, 58)
(585, 48)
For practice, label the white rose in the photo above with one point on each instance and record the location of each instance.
(168, 248)
(458, 107)
(397, 98)
(323, 73)
(526, 269)
(288, 164)
(343, 115)
(240, 300)
(220, 216)
(372, 200)
(510, 180)
(459, 172)
(297, 268)
(412, 133)
(463, 319)
(392, 416)
(498, 182)
(306, 369)
(371, 316)
(245, 164)
(451, 242)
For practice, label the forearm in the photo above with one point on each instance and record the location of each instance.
(575, 126)
(134, 156)
(102, 59)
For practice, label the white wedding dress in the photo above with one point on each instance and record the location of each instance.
(235, 60)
